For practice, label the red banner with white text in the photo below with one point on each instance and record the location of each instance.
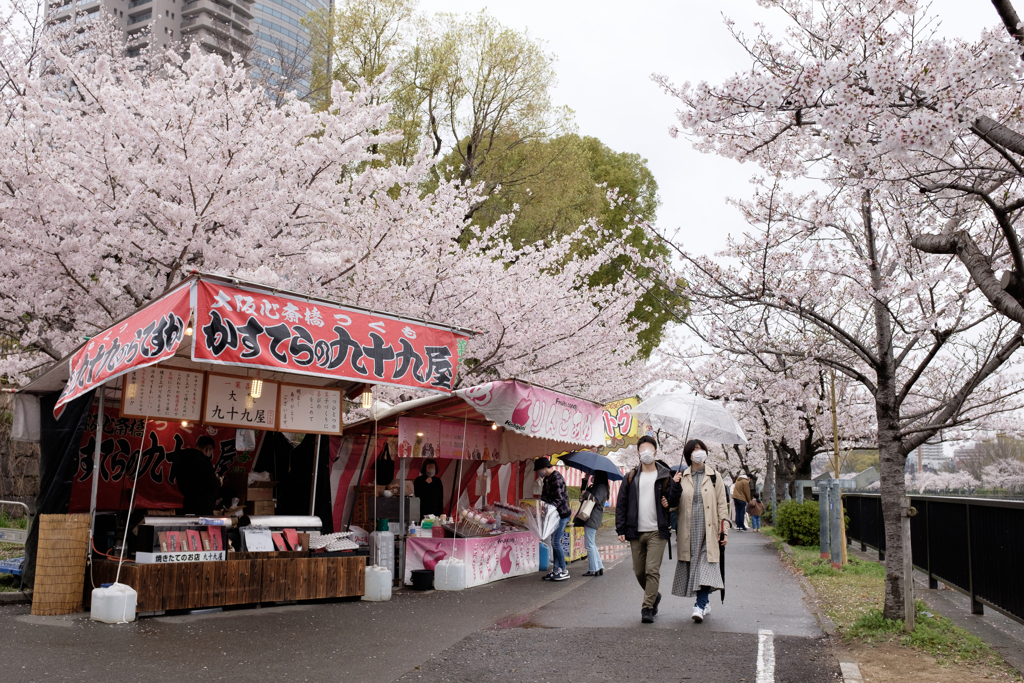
(123, 441)
(247, 327)
(147, 337)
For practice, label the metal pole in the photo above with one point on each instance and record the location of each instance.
(976, 607)
(402, 502)
(316, 469)
(823, 518)
(97, 455)
(909, 604)
(835, 524)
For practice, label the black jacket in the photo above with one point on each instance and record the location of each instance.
(627, 507)
(431, 495)
(555, 493)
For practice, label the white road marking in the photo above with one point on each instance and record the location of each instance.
(765, 656)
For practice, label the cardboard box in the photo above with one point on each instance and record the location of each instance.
(260, 490)
(303, 544)
(258, 508)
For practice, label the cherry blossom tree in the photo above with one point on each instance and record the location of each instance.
(120, 175)
(865, 97)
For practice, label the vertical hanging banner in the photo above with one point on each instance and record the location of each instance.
(147, 337)
(621, 428)
(310, 410)
(250, 327)
(159, 392)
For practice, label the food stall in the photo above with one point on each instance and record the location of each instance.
(236, 365)
(484, 439)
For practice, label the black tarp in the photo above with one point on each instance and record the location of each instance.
(294, 488)
(59, 445)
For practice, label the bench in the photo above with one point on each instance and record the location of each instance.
(19, 536)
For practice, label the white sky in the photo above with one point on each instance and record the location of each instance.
(608, 50)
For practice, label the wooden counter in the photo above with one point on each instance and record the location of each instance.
(242, 581)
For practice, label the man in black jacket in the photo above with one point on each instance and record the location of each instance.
(556, 495)
(643, 520)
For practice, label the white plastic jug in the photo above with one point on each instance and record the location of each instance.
(382, 549)
(114, 604)
(378, 584)
(450, 575)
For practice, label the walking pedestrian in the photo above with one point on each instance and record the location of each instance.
(740, 498)
(641, 517)
(699, 494)
(597, 488)
(554, 493)
(756, 508)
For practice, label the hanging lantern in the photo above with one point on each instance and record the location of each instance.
(256, 388)
(367, 397)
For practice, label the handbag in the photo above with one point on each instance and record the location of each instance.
(585, 510)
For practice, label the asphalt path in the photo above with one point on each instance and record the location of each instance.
(521, 629)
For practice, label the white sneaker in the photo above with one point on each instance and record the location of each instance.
(698, 614)
(707, 610)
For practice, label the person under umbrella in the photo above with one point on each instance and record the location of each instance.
(698, 571)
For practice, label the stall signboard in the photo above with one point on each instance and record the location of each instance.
(230, 402)
(165, 393)
(621, 428)
(237, 325)
(535, 411)
(430, 438)
(149, 336)
(487, 559)
(159, 442)
(310, 410)
(169, 558)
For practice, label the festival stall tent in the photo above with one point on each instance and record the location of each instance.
(484, 439)
(242, 363)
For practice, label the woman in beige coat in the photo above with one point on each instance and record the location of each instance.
(699, 494)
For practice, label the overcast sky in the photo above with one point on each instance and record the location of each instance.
(606, 54)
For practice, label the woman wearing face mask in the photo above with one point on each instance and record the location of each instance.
(699, 494)
(429, 489)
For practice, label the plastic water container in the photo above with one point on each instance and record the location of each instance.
(545, 557)
(450, 575)
(113, 604)
(378, 584)
(382, 549)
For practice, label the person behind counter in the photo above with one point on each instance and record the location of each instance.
(429, 489)
(197, 481)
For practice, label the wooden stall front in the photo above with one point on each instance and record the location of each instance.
(246, 578)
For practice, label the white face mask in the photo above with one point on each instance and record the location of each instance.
(431, 471)
(699, 456)
(647, 457)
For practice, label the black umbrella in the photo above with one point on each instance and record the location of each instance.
(721, 555)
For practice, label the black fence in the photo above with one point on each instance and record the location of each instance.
(974, 545)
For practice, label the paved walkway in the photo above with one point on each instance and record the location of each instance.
(520, 629)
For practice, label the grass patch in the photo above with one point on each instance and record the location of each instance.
(9, 522)
(933, 633)
(9, 583)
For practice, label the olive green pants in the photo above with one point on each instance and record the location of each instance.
(647, 553)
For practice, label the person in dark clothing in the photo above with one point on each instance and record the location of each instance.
(197, 481)
(429, 489)
(598, 488)
(555, 494)
(642, 518)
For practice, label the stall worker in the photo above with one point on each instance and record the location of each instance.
(429, 489)
(196, 478)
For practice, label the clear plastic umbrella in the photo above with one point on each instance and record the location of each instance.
(691, 417)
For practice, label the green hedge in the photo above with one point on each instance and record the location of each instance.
(799, 523)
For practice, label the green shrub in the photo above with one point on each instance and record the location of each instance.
(798, 523)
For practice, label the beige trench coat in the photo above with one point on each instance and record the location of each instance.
(716, 508)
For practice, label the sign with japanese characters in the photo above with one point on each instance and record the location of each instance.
(621, 427)
(151, 335)
(430, 438)
(250, 327)
(168, 558)
(158, 443)
(310, 410)
(230, 402)
(160, 392)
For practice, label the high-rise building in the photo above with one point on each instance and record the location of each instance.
(268, 34)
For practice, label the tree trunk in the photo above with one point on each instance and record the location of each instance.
(893, 490)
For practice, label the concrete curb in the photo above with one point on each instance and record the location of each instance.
(16, 598)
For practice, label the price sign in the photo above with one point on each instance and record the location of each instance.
(244, 402)
(310, 410)
(166, 393)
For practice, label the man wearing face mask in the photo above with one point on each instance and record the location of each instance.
(429, 489)
(699, 494)
(641, 517)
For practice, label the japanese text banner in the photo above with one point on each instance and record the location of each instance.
(151, 335)
(237, 326)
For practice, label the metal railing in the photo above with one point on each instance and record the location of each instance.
(136, 3)
(140, 18)
(974, 545)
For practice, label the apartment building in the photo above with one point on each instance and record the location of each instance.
(268, 33)
(221, 26)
